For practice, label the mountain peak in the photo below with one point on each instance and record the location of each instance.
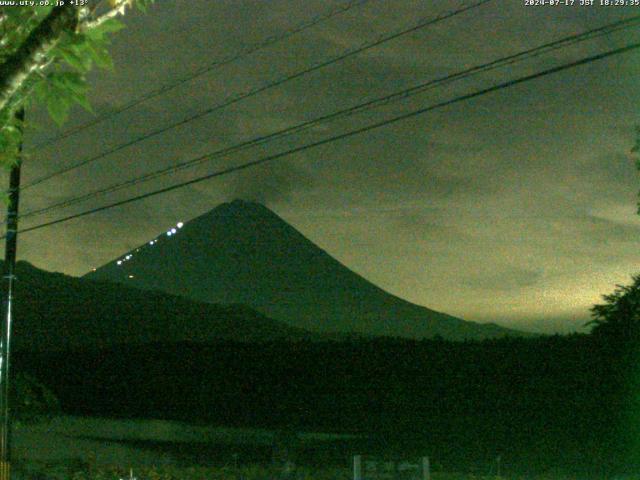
(240, 208)
(242, 252)
(240, 204)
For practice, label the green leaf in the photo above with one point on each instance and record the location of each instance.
(143, 4)
(5, 143)
(70, 81)
(12, 134)
(9, 161)
(58, 108)
(83, 101)
(76, 38)
(101, 56)
(41, 89)
(110, 26)
(67, 88)
(10, 138)
(74, 60)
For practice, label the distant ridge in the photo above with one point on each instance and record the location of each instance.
(243, 253)
(58, 312)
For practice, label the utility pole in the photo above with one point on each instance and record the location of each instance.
(8, 280)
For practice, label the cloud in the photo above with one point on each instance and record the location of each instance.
(270, 183)
(503, 278)
(510, 206)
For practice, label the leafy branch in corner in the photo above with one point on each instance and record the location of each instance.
(45, 55)
(636, 150)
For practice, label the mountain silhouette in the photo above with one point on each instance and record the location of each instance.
(57, 312)
(243, 253)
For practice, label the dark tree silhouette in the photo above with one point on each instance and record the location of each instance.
(31, 400)
(619, 316)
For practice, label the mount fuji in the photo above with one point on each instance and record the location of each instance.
(243, 253)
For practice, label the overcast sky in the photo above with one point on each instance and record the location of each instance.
(516, 207)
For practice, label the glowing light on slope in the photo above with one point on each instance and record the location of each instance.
(180, 225)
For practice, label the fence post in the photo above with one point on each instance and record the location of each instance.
(426, 469)
(357, 467)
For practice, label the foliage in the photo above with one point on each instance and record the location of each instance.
(540, 403)
(32, 401)
(171, 472)
(636, 151)
(251, 472)
(10, 138)
(619, 315)
(57, 69)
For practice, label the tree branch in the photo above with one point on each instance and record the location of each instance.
(118, 9)
(30, 55)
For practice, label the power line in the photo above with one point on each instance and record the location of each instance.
(508, 60)
(201, 71)
(237, 98)
(342, 136)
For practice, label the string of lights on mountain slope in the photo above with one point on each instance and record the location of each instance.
(170, 232)
(393, 97)
(235, 98)
(398, 118)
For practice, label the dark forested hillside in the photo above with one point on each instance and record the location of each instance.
(56, 311)
(540, 403)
